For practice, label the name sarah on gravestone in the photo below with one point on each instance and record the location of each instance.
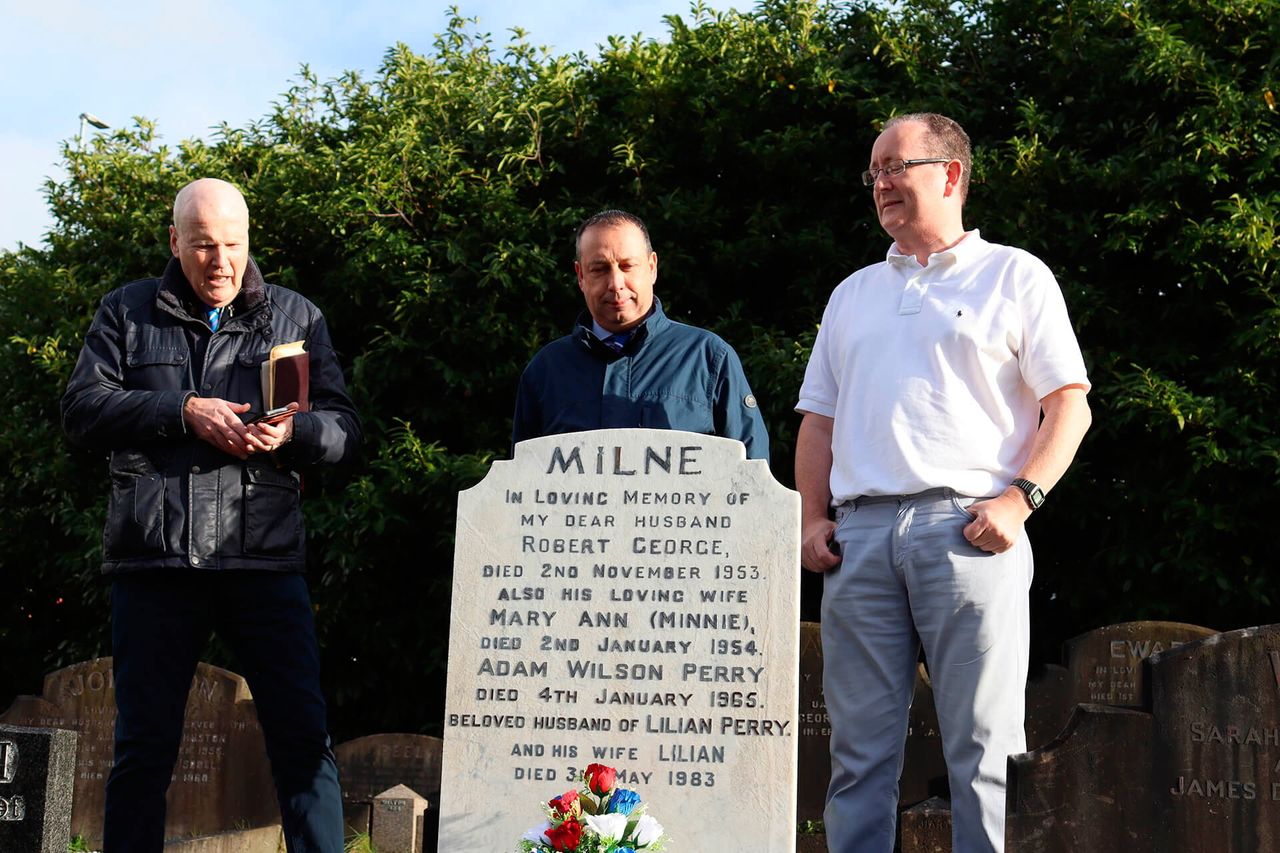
(626, 597)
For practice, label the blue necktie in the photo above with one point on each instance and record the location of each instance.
(617, 341)
(214, 315)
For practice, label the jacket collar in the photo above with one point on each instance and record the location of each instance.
(175, 296)
(654, 324)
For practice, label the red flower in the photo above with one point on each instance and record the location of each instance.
(566, 803)
(599, 778)
(565, 836)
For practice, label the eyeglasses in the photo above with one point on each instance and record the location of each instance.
(897, 167)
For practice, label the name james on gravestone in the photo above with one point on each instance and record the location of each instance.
(629, 598)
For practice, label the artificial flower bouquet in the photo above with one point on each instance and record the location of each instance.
(601, 818)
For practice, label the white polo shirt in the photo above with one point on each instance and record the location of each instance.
(934, 374)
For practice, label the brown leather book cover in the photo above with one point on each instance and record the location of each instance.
(287, 377)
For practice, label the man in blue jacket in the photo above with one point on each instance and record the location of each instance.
(204, 529)
(625, 364)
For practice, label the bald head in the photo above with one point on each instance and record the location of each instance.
(210, 239)
(206, 194)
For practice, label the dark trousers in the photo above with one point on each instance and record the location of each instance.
(160, 622)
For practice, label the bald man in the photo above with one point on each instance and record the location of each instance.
(204, 531)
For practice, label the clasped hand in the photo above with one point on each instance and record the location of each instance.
(217, 422)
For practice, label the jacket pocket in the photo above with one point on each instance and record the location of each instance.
(135, 516)
(271, 516)
(156, 369)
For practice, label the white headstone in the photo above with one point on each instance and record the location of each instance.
(627, 598)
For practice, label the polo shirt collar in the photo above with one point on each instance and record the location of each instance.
(970, 246)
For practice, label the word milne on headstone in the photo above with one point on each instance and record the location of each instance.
(36, 769)
(627, 598)
(222, 779)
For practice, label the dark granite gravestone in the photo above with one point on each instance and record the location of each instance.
(1105, 664)
(222, 779)
(1196, 769)
(36, 770)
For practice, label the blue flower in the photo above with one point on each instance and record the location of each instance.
(624, 850)
(623, 801)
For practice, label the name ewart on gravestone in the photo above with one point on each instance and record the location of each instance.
(628, 598)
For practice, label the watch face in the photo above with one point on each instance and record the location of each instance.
(1035, 495)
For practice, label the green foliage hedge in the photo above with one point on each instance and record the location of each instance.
(429, 210)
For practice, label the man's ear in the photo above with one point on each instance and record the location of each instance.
(173, 240)
(955, 171)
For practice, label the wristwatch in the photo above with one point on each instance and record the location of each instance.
(1034, 494)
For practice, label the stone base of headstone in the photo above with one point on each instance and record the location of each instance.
(37, 768)
(397, 822)
(926, 827)
(264, 839)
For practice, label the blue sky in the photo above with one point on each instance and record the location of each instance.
(189, 67)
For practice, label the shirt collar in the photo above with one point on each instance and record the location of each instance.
(969, 247)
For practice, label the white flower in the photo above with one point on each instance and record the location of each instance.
(538, 835)
(647, 831)
(608, 826)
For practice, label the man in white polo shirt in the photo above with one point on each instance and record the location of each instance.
(922, 427)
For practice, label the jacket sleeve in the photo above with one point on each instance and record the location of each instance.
(527, 422)
(330, 433)
(737, 415)
(98, 411)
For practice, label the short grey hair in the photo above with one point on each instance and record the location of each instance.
(945, 138)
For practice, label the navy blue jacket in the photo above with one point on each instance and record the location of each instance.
(668, 376)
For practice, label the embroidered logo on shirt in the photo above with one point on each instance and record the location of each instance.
(749, 401)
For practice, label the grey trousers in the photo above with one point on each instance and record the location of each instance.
(908, 577)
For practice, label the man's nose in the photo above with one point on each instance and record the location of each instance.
(617, 280)
(219, 255)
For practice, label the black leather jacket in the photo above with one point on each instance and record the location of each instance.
(176, 501)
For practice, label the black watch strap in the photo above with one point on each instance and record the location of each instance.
(1035, 494)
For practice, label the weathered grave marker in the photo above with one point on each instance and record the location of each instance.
(1198, 769)
(629, 598)
(926, 827)
(1216, 704)
(372, 764)
(222, 779)
(397, 821)
(1086, 790)
(1106, 663)
(814, 741)
(36, 770)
